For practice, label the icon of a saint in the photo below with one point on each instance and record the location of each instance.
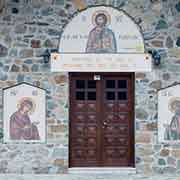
(21, 127)
(172, 131)
(101, 39)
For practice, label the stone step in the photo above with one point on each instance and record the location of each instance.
(103, 170)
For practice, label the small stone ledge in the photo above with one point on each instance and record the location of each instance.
(103, 170)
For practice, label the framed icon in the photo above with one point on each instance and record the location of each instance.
(24, 114)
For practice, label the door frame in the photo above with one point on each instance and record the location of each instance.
(132, 134)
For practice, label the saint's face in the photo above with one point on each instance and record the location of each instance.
(26, 109)
(178, 107)
(100, 21)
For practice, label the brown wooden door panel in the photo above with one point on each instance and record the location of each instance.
(118, 107)
(83, 122)
(101, 120)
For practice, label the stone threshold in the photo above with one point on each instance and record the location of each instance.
(102, 170)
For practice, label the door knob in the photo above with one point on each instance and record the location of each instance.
(104, 123)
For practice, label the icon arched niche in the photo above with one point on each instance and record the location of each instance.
(101, 39)
(126, 33)
(24, 114)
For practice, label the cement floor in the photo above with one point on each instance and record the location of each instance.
(88, 177)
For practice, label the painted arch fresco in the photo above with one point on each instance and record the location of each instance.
(102, 30)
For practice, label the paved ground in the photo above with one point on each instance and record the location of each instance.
(89, 177)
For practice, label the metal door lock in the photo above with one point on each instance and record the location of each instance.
(105, 123)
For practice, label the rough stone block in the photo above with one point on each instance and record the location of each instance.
(143, 137)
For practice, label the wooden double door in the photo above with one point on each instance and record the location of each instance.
(101, 120)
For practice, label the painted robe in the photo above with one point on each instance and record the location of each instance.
(21, 128)
(101, 40)
(173, 130)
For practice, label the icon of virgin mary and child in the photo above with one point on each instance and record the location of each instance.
(21, 127)
(101, 39)
(172, 130)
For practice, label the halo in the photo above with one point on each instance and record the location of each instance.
(172, 103)
(29, 99)
(103, 12)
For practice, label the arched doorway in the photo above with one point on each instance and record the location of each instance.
(101, 48)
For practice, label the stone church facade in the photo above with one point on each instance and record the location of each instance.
(28, 28)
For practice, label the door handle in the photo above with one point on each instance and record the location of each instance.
(105, 123)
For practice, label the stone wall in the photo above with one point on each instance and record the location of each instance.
(29, 27)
